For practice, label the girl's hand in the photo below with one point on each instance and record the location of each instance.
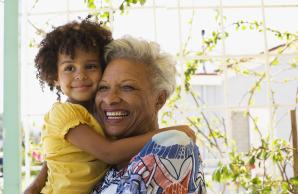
(31, 190)
(36, 186)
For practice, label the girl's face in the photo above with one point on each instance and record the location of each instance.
(78, 78)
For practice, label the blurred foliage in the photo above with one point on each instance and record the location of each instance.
(254, 171)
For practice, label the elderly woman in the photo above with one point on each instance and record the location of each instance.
(135, 85)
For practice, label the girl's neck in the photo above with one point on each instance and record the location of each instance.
(89, 105)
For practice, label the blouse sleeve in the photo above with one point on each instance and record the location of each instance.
(64, 116)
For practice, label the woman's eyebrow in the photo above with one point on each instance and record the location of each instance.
(129, 80)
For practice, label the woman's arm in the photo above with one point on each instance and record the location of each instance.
(111, 152)
(38, 183)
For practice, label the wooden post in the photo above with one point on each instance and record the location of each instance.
(295, 141)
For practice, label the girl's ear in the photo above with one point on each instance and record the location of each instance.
(161, 100)
(56, 83)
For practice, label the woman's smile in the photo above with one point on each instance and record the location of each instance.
(116, 115)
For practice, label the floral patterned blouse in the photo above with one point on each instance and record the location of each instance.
(170, 163)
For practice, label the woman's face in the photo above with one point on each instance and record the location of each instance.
(126, 102)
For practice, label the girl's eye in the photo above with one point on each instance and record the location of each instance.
(91, 66)
(69, 68)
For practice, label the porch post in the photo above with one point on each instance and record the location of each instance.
(11, 104)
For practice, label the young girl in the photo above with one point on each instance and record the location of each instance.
(76, 150)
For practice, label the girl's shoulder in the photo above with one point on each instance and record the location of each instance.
(66, 110)
(68, 107)
(66, 115)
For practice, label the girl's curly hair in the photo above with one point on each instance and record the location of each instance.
(86, 35)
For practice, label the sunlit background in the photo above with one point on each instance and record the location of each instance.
(226, 89)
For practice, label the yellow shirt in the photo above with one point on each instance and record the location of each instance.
(70, 170)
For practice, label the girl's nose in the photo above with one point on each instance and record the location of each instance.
(80, 76)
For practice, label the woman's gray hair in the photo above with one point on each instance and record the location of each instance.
(160, 64)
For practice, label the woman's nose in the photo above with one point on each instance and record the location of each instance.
(112, 97)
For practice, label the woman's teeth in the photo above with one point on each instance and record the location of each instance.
(116, 114)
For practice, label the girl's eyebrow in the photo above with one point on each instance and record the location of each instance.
(72, 61)
(92, 60)
(66, 61)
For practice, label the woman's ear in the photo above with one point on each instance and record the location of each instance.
(161, 100)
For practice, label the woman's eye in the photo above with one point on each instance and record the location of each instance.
(128, 88)
(91, 66)
(102, 88)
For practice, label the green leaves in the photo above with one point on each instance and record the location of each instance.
(90, 4)
(196, 121)
(294, 181)
(191, 68)
(294, 63)
(222, 174)
(275, 62)
(240, 166)
(216, 134)
(211, 42)
(103, 15)
(256, 181)
(127, 3)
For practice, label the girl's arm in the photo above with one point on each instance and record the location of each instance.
(38, 183)
(111, 152)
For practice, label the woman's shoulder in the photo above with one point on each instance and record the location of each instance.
(170, 137)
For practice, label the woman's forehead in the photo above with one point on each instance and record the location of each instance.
(126, 68)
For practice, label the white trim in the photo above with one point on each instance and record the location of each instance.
(207, 80)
